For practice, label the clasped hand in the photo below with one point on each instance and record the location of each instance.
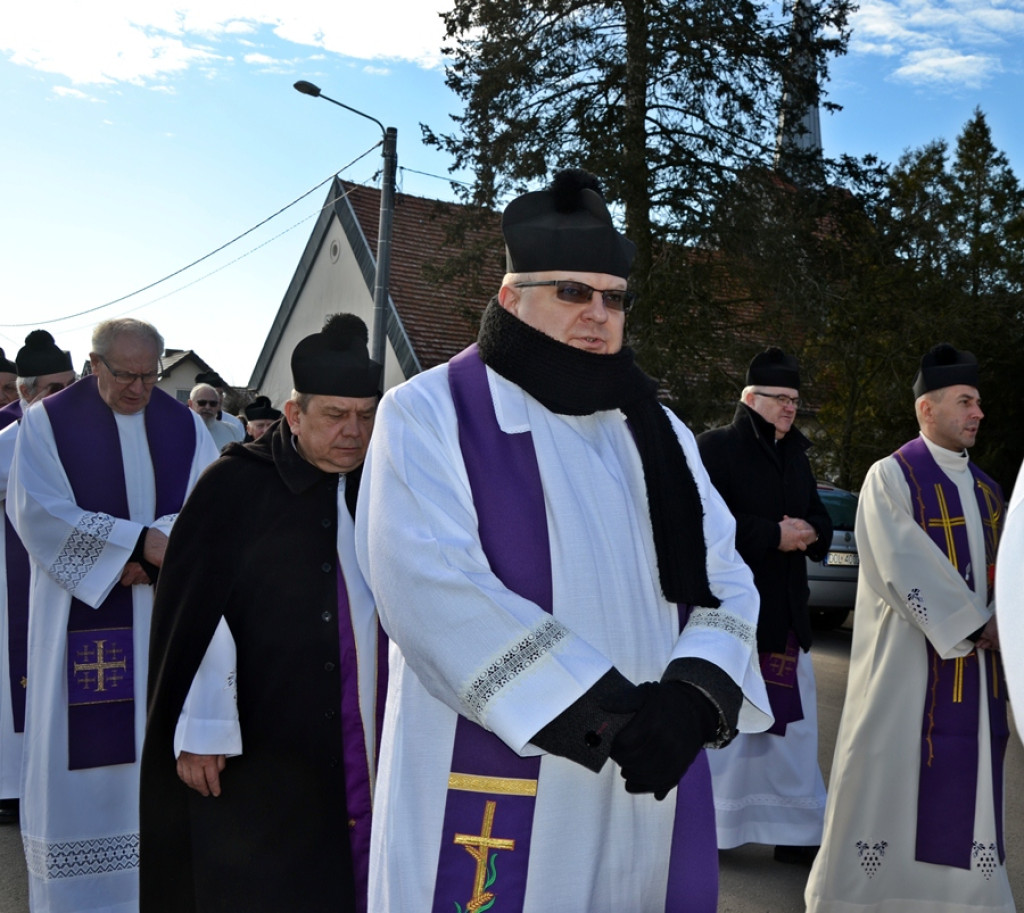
(672, 721)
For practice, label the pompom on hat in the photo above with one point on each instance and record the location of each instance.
(945, 366)
(774, 368)
(566, 227)
(335, 361)
(41, 355)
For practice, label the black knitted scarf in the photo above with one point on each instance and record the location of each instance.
(571, 381)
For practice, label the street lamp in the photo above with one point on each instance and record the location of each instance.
(387, 212)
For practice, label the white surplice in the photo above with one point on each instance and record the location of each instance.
(769, 788)
(595, 848)
(908, 593)
(1010, 596)
(80, 827)
(11, 742)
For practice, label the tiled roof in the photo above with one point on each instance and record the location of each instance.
(440, 317)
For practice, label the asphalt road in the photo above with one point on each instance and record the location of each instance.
(751, 881)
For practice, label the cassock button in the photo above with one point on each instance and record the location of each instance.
(328, 714)
(335, 762)
(328, 667)
(351, 822)
(326, 616)
(325, 522)
(326, 567)
(592, 739)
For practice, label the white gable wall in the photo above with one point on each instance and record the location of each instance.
(333, 284)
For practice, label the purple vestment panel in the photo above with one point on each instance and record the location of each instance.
(486, 831)
(779, 673)
(949, 729)
(101, 730)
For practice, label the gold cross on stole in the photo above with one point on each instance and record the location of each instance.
(102, 665)
(477, 845)
(779, 663)
(946, 522)
(994, 519)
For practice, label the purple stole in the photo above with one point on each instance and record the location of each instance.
(779, 673)
(10, 413)
(949, 735)
(357, 776)
(100, 653)
(485, 843)
(17, 571)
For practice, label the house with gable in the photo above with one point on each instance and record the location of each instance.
(427, 320)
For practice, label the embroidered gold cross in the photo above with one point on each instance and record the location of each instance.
(101, 666)
(947, 523)
(994, 519)
(780, 663)
(478, 845)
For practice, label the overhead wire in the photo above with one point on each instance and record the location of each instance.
(196, 262)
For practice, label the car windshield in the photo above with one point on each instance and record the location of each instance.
(841, 507)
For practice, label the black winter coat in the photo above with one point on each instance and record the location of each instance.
(762, 481)
(256, 543)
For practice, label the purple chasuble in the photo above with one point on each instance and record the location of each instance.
(100, 654)
(949, 734)
(485, 844)
(17, 571)
(779, 673)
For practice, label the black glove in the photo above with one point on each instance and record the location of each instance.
(672, 722)
(138, 555)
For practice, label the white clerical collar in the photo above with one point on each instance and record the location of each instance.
(949, 460)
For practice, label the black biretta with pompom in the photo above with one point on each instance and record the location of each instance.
(565, 228)
(774, 368)
(6, 365)
(212, 378)
(41, 355)
(261, 408)
(945, 366)
(335, 361)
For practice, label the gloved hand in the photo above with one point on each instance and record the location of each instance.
(672, 721)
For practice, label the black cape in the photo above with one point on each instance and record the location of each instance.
(761, 482)
(256, 543)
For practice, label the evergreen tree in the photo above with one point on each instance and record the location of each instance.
(666, 102)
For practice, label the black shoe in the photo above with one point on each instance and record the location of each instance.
(796, 855)
(8, 811)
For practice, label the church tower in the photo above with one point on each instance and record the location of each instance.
(798, 140)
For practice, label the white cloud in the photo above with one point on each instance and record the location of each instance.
(941, 43)
(106, 42)
(945, 67)
(67, 92)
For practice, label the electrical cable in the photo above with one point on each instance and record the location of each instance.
(178, 272)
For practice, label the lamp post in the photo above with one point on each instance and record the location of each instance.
(382, 278)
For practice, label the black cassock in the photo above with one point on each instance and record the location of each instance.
(256, 543)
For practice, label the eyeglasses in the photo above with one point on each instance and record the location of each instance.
(572, 292)
(125, 378)
(207, 402)
(781, 398)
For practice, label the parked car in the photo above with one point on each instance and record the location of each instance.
(833, 581)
